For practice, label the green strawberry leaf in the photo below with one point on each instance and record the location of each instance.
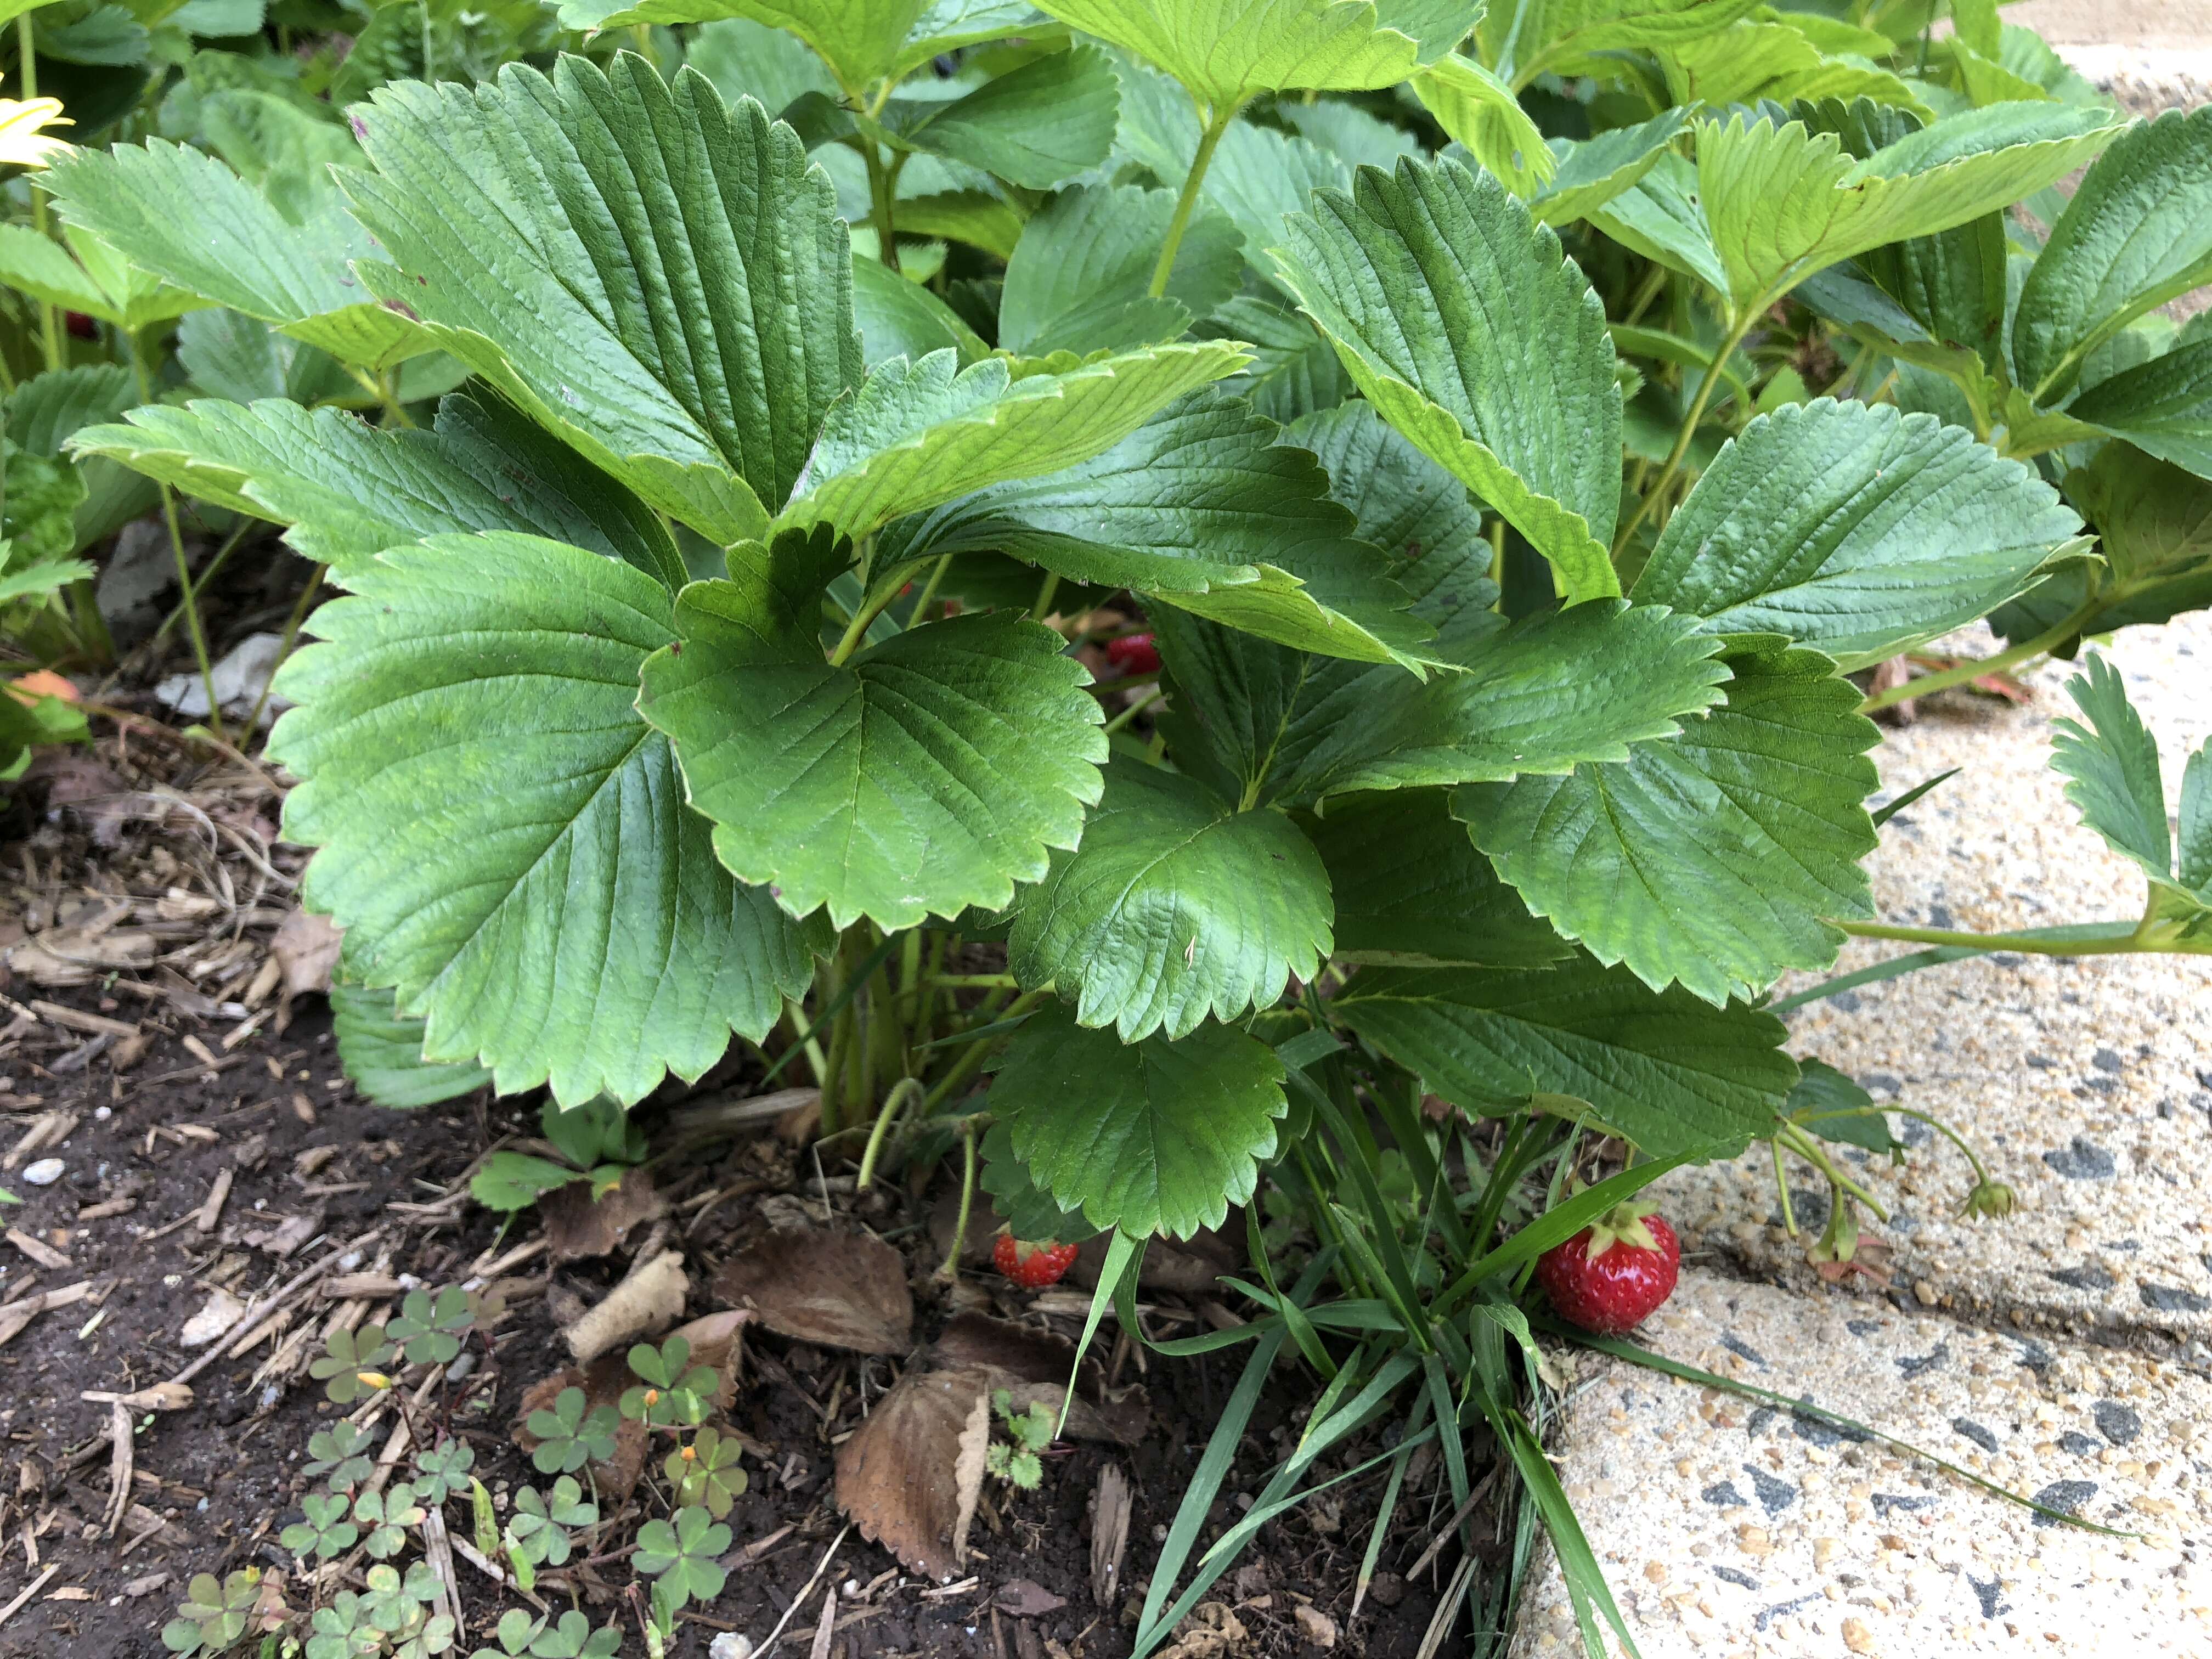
(1163, 1135)
(1413, 890)
(1226, 53)
(1175, 908)
(680, 306)
(1261, 723)
(1459, 317)
(232, 246)
(1782, 203)
(1078, 278)
(1034, 126)
(486, 798)
(2110, 760)
(1206, 508)
(2138, 233)
(1662, 1068)
(382, 1053)
(2154, 530)
(1858, 531)
(1587, 173)
(928, 773)
(1716, 858)
(916, 436)
(2163, 407)
(1420, 514)
(349, 491)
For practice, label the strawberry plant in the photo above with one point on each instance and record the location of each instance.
(1264, 580)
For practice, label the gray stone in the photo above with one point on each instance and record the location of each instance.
(2117, 1423)
(2086, 1276)
(2082, 1159)
(1975, 1433)
(2066, 1496)
(1774, 1496)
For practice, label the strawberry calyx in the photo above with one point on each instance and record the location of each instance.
(1622, 1225)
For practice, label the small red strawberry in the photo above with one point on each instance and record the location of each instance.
(79, 327)
(1610, 1277)
(1134, 654)
(1032, 1266)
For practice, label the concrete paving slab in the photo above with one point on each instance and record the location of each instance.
(1728, 1527)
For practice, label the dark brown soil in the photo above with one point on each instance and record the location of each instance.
(221, 1476)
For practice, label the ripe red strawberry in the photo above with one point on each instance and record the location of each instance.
(79, 327)
(1610, 1277)
(1032, 1266)
(1134, 654)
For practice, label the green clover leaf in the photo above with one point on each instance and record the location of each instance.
(569, 1436)
(682, 1555)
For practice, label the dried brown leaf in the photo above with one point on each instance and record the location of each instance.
(578, 1225)
(306, 946)
(840, 1290)
(909, 1476)
(1025, 1598)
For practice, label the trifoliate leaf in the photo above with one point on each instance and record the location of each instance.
(349, 491)
(181, 215)
(1294, 371)
(1291, 729)
(382, 1053)
(2154, 530)
(1151, 1137)
(2138, 233)
(925, 774)
(1523, 41)
(1034, 126)
(1079, 279)
(1480, 112)
(1413, 890)
(1175, 908)
(504, 842)
(1714, 859)
(662, 281)
(1858, 531)
(1664, 1069)
(861, 40)
(1227, 54)
(1780, 203)
(1205, 509)
(2163, 407)
(1404, 503)
(918, 435)
(1658, 216)
(900, 317)
(1589, 172)
(1475, 336)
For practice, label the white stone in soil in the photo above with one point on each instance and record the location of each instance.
(2086, 1084)
(1726, 1527)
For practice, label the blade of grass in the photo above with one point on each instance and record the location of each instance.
(1387, 1509)
(1585, 1580)
(1883, 814)
(1652, 1360)
(1124, 1253)
(1205, 1479)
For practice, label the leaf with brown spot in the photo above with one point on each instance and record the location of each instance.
(578, 1225)
(909, 1476)
(840, 1289)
